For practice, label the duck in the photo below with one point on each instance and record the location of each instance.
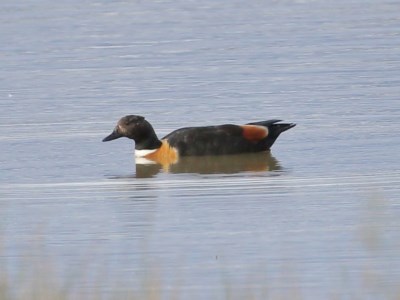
(226, 139)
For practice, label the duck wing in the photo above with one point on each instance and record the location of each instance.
(217, 140)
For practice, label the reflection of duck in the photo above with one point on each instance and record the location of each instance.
(197, 141)
(226, 164)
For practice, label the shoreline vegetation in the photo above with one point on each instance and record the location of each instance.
(36, 277)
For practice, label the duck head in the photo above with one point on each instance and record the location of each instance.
(137, 129)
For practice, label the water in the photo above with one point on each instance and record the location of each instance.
(318, 215)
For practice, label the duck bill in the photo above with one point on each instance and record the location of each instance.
(114, 135)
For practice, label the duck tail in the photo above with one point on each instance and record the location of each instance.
(274, 131)
(277, 129)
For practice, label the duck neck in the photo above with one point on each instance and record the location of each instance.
(149, 143)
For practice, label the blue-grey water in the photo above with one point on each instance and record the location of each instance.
(319, 217)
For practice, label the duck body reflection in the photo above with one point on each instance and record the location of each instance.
(211, 164)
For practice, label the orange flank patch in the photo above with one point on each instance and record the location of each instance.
(165, 155)
(254, 133)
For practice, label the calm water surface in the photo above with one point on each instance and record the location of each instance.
(319, 215)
